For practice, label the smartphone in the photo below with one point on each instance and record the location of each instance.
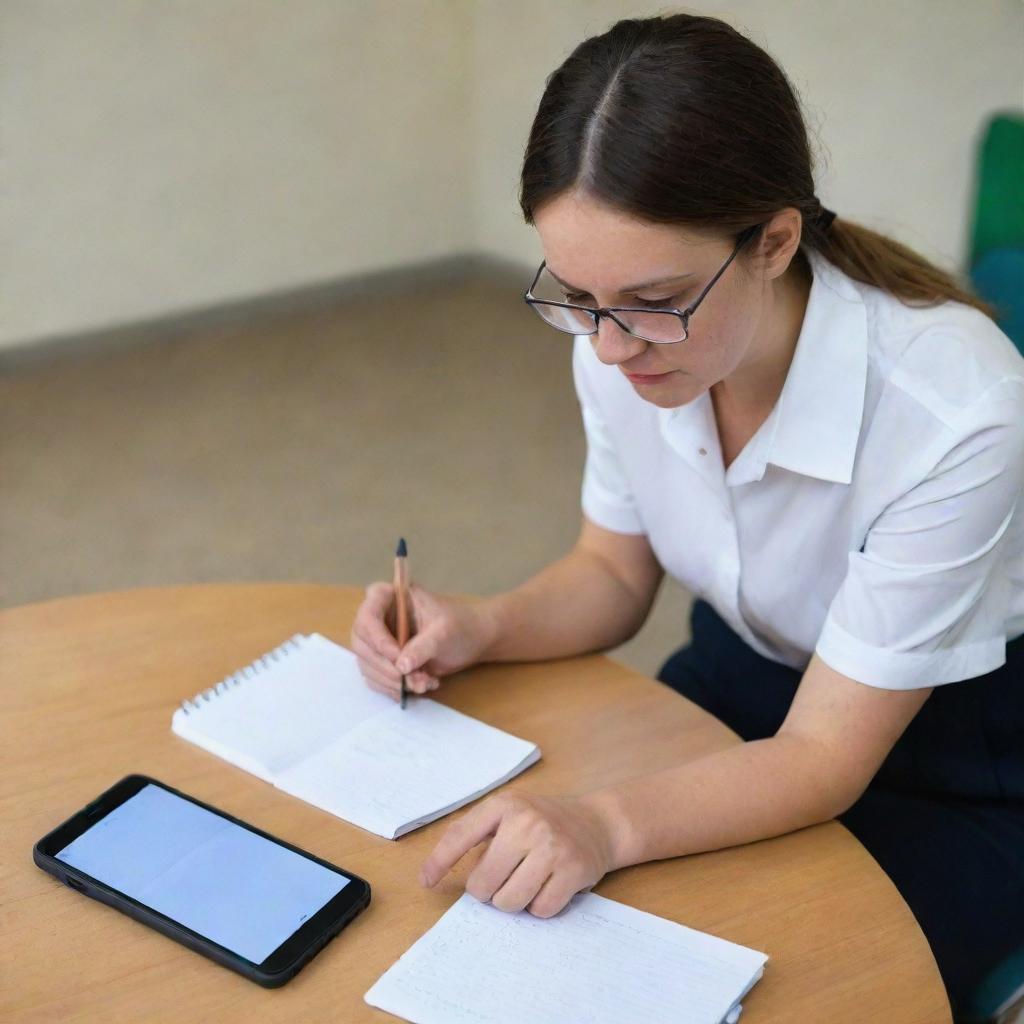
(253, 903)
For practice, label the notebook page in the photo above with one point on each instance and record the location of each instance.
(283, 708)
(598, 961)
(403, 768)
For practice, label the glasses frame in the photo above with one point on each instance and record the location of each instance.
(596, 312)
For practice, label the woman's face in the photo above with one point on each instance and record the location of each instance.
(602, 255)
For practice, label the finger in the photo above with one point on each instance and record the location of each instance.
(554, 895)
(421, 603)
(460, 837)
(372, 664)
(375, 682)
(376, 669)
(382, 668)
(418, 651)
(381, 685)
(370, 624)
(385, 689)
(523, 884)
(494, 868)
(421, 682)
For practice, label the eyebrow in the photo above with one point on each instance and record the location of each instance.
(625, 291)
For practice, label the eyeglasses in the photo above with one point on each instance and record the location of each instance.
(658, 326)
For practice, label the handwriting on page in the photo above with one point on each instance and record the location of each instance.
(399, 765)
(598, 962)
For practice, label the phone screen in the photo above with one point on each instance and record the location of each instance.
(236, 888)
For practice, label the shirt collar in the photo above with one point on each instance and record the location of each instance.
(821, 407)
(815, 425)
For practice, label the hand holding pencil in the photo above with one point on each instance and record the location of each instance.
(443, 634)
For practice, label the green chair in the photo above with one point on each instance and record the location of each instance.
(997, 244)
(999, 999)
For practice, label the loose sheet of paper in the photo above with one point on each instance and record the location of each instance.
(598, 961)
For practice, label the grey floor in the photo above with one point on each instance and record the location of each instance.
(299, 446)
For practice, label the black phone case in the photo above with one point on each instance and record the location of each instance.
(97, 890)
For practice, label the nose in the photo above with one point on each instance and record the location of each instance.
(613, 345)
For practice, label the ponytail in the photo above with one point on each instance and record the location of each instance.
(875, 259)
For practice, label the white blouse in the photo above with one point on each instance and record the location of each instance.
(873, 517)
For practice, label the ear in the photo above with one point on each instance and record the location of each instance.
(780, 241)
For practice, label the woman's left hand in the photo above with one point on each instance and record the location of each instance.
(543, 850)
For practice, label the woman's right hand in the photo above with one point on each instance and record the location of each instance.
(450, 633)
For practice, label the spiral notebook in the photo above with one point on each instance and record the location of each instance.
(303, 719)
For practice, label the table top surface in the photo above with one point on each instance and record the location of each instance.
(90, 684)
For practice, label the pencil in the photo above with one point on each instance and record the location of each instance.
(402, 603)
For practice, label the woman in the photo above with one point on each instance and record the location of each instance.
(817, 433)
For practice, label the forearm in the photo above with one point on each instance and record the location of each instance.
(574, 606)
(748, 792)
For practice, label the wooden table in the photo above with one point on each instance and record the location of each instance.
(88, 688)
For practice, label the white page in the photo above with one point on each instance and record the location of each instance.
(283, 709)
(599, 961)
(398, 769)
(304, 719)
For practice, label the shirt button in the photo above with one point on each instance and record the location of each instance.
(703, 451)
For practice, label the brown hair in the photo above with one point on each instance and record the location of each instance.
(682, 120)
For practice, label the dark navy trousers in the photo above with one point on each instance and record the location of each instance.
(944, 815)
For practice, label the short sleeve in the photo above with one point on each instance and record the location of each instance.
(607, 499)
(926, 600)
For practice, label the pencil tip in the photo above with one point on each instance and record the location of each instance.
(401, 552)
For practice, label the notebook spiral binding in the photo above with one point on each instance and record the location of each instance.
(254, 668)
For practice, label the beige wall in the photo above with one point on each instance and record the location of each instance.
(896, 91)
(163, 155)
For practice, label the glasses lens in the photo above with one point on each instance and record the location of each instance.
(572, 321)
(547, 289)
(661, 328)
